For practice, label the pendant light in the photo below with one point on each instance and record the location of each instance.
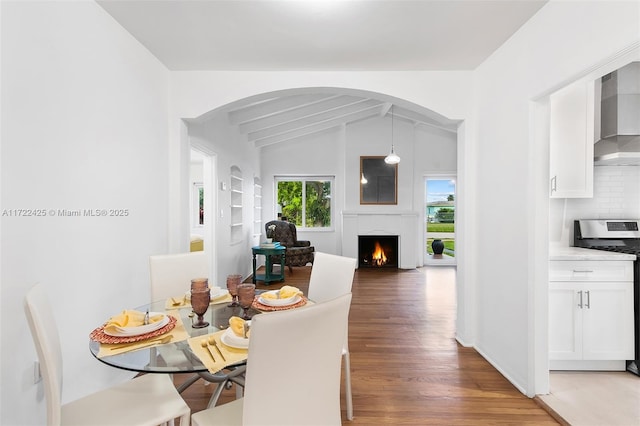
(392, 158)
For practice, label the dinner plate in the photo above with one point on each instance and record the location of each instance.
(143, 329)
(279, 302)
(230, 339)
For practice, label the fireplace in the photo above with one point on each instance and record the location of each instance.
(377, 251)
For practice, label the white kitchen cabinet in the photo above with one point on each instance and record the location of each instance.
(571, 138)
(590, 315)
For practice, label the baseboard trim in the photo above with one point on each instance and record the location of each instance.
(553, 413)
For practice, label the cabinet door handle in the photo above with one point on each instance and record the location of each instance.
(554, 181)
(588, 304)
(580, 299)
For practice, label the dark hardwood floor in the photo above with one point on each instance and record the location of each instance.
(406, 365)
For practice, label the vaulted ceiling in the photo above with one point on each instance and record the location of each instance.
(290, 117)
(321, 35)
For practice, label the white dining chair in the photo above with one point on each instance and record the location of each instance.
(171, 275)
(150, 399)
(293, 370)
(332, 276)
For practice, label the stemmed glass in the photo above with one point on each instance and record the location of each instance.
(232, 284)
(246, 294)
(200, 298)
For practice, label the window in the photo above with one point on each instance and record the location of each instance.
(305, 201)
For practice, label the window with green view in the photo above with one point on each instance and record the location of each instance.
(305, 201)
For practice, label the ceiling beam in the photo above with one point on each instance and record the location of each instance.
(343, 113)
(304, 110)
(271, 106)
(318, 127)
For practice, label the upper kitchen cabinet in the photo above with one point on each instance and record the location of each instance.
(571, 138)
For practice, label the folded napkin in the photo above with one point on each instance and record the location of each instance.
(183, 302)
(129, 318)
(207, 353)
(237, 325)
(178, 333)
(285, 292)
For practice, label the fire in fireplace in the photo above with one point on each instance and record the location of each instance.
(377, 251)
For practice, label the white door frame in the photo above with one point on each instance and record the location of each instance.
(209, 184)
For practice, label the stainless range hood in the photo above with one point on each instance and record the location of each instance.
(620, 118)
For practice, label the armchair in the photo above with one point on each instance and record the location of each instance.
(298, 252)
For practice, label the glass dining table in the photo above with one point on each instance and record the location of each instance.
(172, 357)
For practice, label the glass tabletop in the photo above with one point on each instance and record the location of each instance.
(174, 357)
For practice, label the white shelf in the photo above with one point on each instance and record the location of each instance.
(236, 204)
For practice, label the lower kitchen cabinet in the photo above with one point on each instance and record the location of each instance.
(590, 322)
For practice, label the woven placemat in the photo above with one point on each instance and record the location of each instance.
(262, 307)
(99, 335)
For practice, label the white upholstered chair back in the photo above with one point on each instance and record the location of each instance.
(331, 276)
(293, 370)
(171, 274)
(151, 399)
(47, 341)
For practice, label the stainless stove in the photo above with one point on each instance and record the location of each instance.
(622, 236)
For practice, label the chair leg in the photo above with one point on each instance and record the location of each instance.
(347, 385)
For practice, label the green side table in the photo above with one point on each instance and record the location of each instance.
(268, 276)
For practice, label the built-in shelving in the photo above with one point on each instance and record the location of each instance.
(257, 208)
(237, 194)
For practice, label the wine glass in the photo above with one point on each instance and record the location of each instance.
(246, 294)
(232, 285)
(200, 298)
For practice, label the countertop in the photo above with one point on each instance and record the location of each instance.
(577, 253)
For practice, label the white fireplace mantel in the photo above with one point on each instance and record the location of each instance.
(404, 224)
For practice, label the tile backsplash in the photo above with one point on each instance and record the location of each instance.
(616, 195)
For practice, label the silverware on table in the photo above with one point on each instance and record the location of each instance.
(212, 341)
(206, 346)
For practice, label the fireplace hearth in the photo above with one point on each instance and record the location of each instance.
(377, 251)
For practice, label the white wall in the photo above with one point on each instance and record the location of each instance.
(563, 41)
(84, 126)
